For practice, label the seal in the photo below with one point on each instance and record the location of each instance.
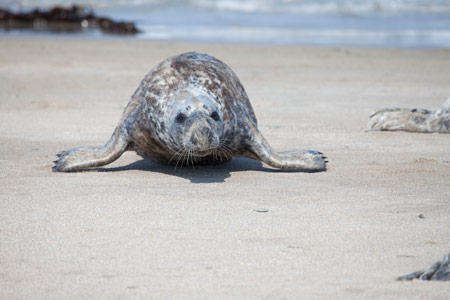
(191, 108)
(413, 120)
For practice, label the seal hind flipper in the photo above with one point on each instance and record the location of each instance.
(300, 160)
(399, 119)
(412, 120)
(77, 159)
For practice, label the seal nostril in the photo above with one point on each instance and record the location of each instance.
(205, 131)
(194, 140)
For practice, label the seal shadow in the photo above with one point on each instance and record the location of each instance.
(207, 173)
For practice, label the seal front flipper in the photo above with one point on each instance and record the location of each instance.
(81, 158)
(259, 148)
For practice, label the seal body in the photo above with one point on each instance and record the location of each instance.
(189, 109)
(412, 120)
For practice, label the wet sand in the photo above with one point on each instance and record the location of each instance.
(137, 229)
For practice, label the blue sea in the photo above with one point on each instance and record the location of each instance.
(366, 23)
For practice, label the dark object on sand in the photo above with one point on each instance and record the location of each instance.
(439, 271)
(74, 18)
(413, 120)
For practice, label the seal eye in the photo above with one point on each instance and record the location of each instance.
(180, 118)
(215, 116)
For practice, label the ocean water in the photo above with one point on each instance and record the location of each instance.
(371, 23)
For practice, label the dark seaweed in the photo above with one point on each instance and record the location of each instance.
(62, 19)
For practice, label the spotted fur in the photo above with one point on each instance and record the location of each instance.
(413, 120)
(219, 122)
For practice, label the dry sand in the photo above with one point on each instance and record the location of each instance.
(136, 229)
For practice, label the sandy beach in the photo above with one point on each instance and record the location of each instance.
(136, 229)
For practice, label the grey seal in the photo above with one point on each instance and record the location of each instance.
(191, 108)
(413, 120)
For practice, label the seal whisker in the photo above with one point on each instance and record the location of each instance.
(229, 147)
(176, 153)
(192, 159)
(218, 155)
(188, 154)
(227, 152)
(186, 158)
(183, 159)
(180, 158)
(189, 158)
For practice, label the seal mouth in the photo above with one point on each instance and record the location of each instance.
(194, 152)
(201, 143)
(203, 153)
(186, 157)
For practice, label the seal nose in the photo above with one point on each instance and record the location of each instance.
(209, 135)
(202, 139)
(194, 140)
(206, 132)
(213, 140)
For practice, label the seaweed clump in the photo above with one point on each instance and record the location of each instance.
(62, 19)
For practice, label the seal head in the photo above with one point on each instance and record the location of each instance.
(196, 124)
